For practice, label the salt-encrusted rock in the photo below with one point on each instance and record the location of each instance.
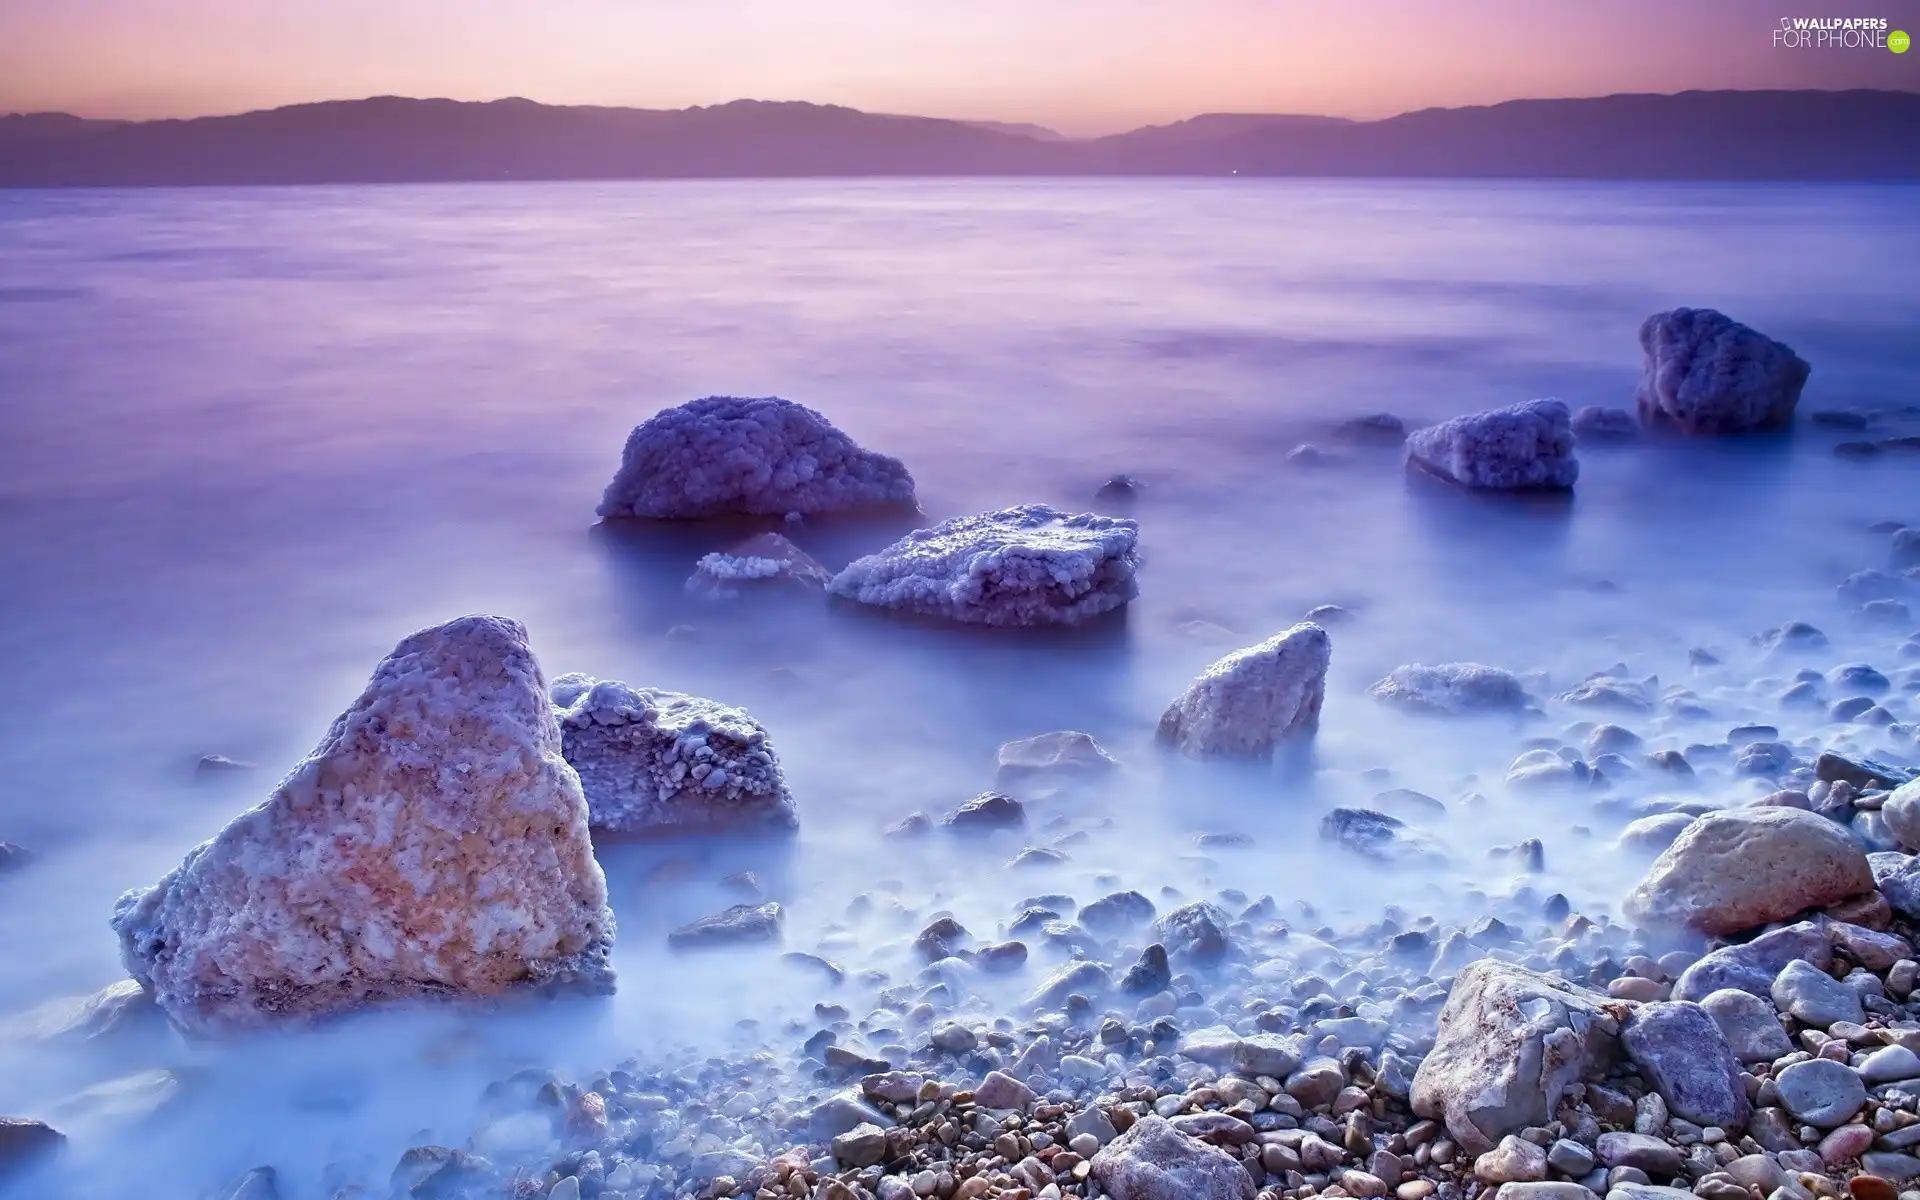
(1065, 754)
(1751, 967)
(1732, 871)
(1027, 565)
(1254, 701)
(661, 762)
(1452, 689)
(1526, 445)
(1748, 1024)
(1681, 1051)
(764, 456)
(1510, 1041)
(1706, 373)
(1595, 423)
(1155, 1161)
(766, 564)
(1608, 692)
(433, 844)
(26, 1143)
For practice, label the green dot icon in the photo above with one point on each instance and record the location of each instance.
(1898, 41)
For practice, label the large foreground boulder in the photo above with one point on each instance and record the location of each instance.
(1522, 446)
(1732, 871)
(763, 456)
(1255, 700)
(434, 844)
(1154, 1161)
(662, 762)
(1452, 689)
(1509, 1043)
(1705, 372)
(763, 565)
(1027, 565)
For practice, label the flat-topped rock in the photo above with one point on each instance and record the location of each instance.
(1254, 701)
(1452, 689)
(1732, 871)
(433, 845)
(1522, 446)
(763, 565)
(764, 456)
(658, 762)
(1064, 755)
(1023, 566)
(1704, 373)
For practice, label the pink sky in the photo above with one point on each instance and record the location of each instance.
(1082, 66)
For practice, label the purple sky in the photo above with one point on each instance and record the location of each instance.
(1083, 66)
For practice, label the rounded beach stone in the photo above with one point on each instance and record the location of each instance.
(1732, 871)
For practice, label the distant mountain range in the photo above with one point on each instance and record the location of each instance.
(1693, 135)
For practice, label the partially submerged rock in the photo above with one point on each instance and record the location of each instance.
(1254, 701)
(764, 565)
(1737, 870)
(1063, 755)
(738, 925)
(1373, 427)
(654, 761)
(434, 844)
(1706, 373)
(1595, 423)
(1452, 689)
(1523, 446)
(1509, 1044)
(26, 1143)
(763, 456)
(13, 857)
(1027, 565)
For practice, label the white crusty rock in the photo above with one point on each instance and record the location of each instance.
(1027, 565)
(1509, 1043)
(1704, 372)
(765, 564)
(765, 456)
(1153, 1160)
(662, 762)
(1736, 870)
(434, 844)
(1526, 445)
(1254, 700)
(1452, 689)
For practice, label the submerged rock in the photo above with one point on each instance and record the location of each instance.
(1597, 424)
(13, 857)
(1526, 445)
(764, 456)
(1254, 701)
(1732, 871)
(766, 564)
(1706, 373)
(1066, 754)
(1022, 566)
(1452, 689)
(662, 762)
(1373, 427)
(1195, 933)
(1509, 1044)
(1153, 1160)
(985, 813)
(433, 845)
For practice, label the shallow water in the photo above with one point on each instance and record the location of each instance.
(249, 439)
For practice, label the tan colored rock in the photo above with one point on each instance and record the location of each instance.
(434, 844)
(1733, 871)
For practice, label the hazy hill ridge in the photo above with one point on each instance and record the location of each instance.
(1691, 135)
